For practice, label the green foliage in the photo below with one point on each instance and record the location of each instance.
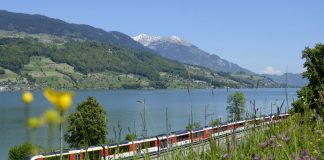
(88, 125)
(21, 151)
(311, 97)
(215, 122)
(192, 126)
(131, 137)
(236, 106)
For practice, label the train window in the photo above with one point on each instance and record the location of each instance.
(224, 128)
(66, 157)
(152, 144)
(76, 156)
(148, 144)
(198, 134)
(215, 130)
(111, 151)
(93, 155)
(123, 149)
(163, 143)
(183, 137)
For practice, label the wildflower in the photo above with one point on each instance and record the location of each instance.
(270, 157)
(225, 156)
(293, 155)
(27, 97)
(51, 116)
(304, 153)
(286, 139)
(60, 99)
(33, 122)
(257, 157)
(263, 145)
(270, 141)
(314, 158)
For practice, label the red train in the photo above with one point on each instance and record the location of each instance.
(153, 145)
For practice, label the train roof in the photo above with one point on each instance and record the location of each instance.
(180, 132)
(201, 129)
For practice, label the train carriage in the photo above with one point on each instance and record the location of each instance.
(154, 144)
(181, 138)
(165, 141)
(200, 134)
(124, 149)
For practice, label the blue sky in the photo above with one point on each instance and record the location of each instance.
(263, 36)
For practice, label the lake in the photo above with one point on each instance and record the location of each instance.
(122, 105)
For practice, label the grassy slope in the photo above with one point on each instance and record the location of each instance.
(62, 75)
(296, 137)
(8, 76)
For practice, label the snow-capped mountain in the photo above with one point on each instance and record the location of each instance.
(147, 40)
(176, 48)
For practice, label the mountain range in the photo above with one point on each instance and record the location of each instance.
(293, 79)
(176, 48)
(36, 24)
(43, 51)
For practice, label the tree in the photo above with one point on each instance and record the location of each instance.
(236, 106)
(88, 125)
(311, 97)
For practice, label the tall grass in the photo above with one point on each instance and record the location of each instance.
(294, 138)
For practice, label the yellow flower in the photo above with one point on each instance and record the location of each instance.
(51, 116)
(60, 99)
(315, 152)
(27, 97)
(33, 122)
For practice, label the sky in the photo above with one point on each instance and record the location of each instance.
(262, 36)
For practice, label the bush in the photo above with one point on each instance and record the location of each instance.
(20, 152)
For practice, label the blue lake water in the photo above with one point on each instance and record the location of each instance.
(122, 105)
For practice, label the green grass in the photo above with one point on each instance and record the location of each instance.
(46, 72)
(10, 76)
(296, 137)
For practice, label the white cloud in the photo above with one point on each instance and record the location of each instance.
(271, 70)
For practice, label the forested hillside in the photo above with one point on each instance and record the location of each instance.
(87, 57)
(36, 24)
(91, 64)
